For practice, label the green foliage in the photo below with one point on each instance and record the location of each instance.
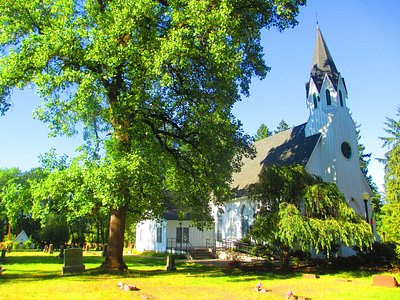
(28, 244)
(161, 77)
(381, 253)
(389, 228)
(55, 231)
(6, 175)
(300, 211)
(365, 159)
(282, 126)
(390, 221)
(262, 132)
(392, 158)
(16, 245)
(16, 199)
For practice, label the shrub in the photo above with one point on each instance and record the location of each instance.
(8, 244)
(235, 263)
(380, 253)
(28, 244)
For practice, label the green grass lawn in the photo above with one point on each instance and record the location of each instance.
(37, 275)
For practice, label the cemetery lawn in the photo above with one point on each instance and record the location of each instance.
(37, 275)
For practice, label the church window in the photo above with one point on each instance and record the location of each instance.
(244, 215)
(182, 234)
(220, 220)
(159, 234)
(346, 150)
(341, 98)
(328, 97)
(315, 100)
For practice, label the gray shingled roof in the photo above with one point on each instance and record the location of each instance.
(323, 63)
(285, 148)
(172, 214)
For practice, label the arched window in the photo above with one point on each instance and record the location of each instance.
(231, 225)
(220, 220)
(328, 97)
(315, 100)
(341, 98)
(244, 215)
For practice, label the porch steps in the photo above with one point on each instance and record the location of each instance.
(202, 253)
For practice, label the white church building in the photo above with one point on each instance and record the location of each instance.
(326, 145)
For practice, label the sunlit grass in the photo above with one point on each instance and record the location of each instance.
(37, 275)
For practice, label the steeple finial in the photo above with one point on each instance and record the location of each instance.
(316, 19)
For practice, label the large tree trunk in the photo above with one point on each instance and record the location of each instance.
(114, 256)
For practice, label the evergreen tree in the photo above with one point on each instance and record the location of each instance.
(298, 210)
(282, 126)
(365, 159)
(262, 132)
(390, 220)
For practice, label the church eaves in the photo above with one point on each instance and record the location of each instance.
(323, 63)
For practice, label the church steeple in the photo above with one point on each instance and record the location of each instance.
(323, 63)
(326, 90)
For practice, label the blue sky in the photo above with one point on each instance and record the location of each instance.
(363, 38)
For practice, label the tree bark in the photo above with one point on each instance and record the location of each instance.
(114, 256)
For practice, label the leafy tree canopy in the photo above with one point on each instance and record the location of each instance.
(158, 77)
(298, 210)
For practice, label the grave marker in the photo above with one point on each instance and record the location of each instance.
(170, 263)
(73, 261)
(384, 280)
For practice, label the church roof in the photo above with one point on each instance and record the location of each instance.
(285, 148)
(323, 63)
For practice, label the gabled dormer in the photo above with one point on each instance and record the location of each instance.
(326, 90)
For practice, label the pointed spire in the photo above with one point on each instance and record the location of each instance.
(323, 63)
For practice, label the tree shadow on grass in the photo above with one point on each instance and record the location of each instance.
(32, 275)
(139, 266)
(32, 259)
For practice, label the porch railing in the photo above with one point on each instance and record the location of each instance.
(175, 245)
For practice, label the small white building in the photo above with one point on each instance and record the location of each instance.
(326, 145)
(21, 238)
(172, 234)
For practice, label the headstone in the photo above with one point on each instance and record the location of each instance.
(170, 263)
(46, 248)
(3, 255)
(51, 249)
(313, 276)
(384, 280)
(73, 261)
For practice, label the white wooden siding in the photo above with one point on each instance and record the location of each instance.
(196, 237)
(146, 236)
